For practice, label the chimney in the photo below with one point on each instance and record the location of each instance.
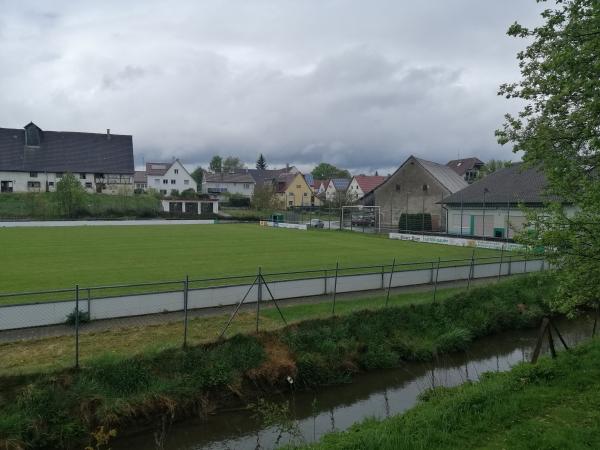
(108, 134)
(287, 167)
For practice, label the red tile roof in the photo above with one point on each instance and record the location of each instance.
(369, 182)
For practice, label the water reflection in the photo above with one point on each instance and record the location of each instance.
(378, 394)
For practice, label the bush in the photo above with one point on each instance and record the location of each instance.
(415, 222)
(84, 317)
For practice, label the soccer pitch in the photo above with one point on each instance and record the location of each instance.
(60, 257)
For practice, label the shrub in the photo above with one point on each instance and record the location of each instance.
(84, 317)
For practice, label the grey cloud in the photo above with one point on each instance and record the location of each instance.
(360, 84)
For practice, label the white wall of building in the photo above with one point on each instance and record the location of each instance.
(37, 181)
(245, 189)
(476, 221)
(176, 177)
(354, 190)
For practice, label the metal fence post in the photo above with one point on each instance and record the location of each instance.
(431, 274)
(471, 269)
(325, 283)
(509, 264)
(387, 298)
(186, 284)
(337, 266)
(437, 272)
(258, 296)
(501, 260)
(89, 304)
(77, 326)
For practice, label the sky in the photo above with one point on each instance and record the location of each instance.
(359, 84)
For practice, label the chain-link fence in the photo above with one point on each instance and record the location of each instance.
(67, 313)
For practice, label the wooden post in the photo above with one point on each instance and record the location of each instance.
(538, 345)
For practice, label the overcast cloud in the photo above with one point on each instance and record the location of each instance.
(361, 84)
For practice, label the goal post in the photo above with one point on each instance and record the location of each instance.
(369, 216)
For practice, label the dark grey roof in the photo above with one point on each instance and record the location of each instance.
(140, 177)
(228, 178)
(66, 151)
(444, 174)
(158, 168)
(262, 176)
(460, 166)
(515, 184)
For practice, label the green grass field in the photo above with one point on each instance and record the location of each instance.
(60, 257)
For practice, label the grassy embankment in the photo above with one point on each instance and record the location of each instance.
(45, 205)
(60, 410)
(56, 353)
(552, 405)
(93, 256)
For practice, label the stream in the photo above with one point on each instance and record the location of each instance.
(306, 416)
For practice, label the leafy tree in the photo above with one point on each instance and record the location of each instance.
(558, 130)
(491, 166)
(70, 195)
(216, 164)
(325, 171)
(197, 176)
(261, 163)
(232, 163)
(264, 197)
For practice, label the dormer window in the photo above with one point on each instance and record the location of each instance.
(33, 135)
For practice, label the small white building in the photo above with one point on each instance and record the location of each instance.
(190, 206)
(34, 160)
(228, 183)
(491, 207)
(168, 177)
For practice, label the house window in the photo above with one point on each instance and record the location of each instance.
(51, 183)
(186, 182)
(306, 194)
(82, 176)
(398, 188)
(33, 184)
(291, 203)
(163, 192)
(173, 181)
(165, 181)
(425, 187)
(246, 185)
(291, 194)
(176, 171)
(59, 174)
(298, 186)
(33, 174)
(157, 181)
(88, 185)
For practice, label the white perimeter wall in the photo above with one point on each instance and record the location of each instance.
(51, 313)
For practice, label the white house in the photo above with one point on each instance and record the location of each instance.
(336, 188)
(491, 207)
(363, 184)
(167, 177)
(34, 160)
(231, 183)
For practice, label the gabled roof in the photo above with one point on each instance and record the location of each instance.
(140, 177)
(340, 184)
(309, 179)
(227, 178)
(368, 182)
(66, 151)
(444, 175)
(514, 184)
(157, 168)
(261, 176)
(460, 166)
